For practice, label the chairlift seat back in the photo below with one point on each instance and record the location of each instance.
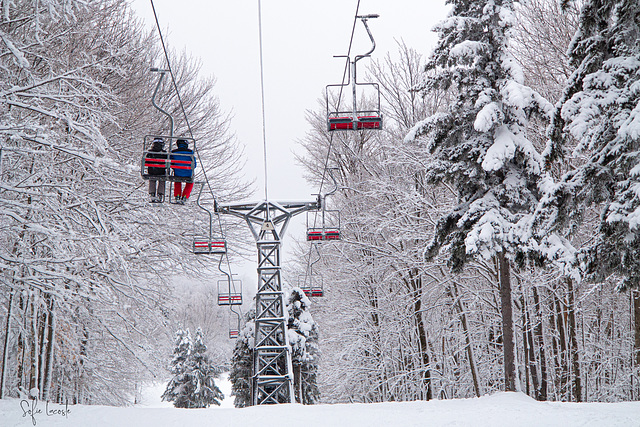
(204, 245)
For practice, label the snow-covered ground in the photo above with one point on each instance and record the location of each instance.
(501, 409)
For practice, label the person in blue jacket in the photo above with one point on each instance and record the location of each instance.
(183, 166)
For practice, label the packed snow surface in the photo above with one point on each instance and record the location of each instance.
(501, 409)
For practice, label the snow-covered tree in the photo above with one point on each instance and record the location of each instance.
(479, 145)
(83, 261)
(177, 385)
(203, 374)
(303, 338)
(193, 383)
(600, 108)
(241, 372)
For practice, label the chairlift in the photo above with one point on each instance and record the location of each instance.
(234, 324)
(157, 163)
(327, 227)
(208, 244)
(204, 245)
(357, 118)
(162, 165)
(318, 229)
(312, 284)
(229, 292)
(229, 289)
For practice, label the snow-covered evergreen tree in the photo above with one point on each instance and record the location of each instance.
(242, 363)
(601, 110)
(303, 338)
(203, 374)
(193, 384)
(176, 387)
(479, 145)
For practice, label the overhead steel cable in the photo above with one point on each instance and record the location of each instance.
(326, 162)
(197, 152)
(264, 131)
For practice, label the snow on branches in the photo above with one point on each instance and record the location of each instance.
(479, 144)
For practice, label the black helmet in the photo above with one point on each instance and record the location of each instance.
(182, 143)
(158, 141)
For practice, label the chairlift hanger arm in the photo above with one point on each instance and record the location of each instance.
(335, 182)
(364, 19)
(153, 98)
(206, 210)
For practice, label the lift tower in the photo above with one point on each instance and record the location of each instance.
(272, 380)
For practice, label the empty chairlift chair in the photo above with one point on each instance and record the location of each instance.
(234, 324)
(357, 118)
(229, 292)
(312, 285)
(208, 244)
(320, 229)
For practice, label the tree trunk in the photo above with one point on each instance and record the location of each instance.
(51, 335)
(23, 342)
(453, 293)
(422, 335)
(573, 342)
(563, 359)
(529, 345)
(635, 296)
(42, 355)
(35, 346)
(506, 307)
(5, 347)
(539, 343)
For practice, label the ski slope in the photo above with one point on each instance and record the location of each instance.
(501, 409)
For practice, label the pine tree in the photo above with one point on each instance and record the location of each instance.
(193, 384)
(177, 385)
(303, 338)
(600, 110)
(242, 364)
(203, 375)
(479, 145)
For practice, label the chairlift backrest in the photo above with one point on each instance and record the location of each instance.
(159, 163)
(209, 246)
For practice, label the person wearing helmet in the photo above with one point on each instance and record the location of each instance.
(157, 174)
(183, 166)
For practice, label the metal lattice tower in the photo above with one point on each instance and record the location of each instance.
(272, 369)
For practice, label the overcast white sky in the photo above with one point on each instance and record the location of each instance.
(300, 38)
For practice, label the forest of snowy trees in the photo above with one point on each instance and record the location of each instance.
(86, 266)
(489, 231)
